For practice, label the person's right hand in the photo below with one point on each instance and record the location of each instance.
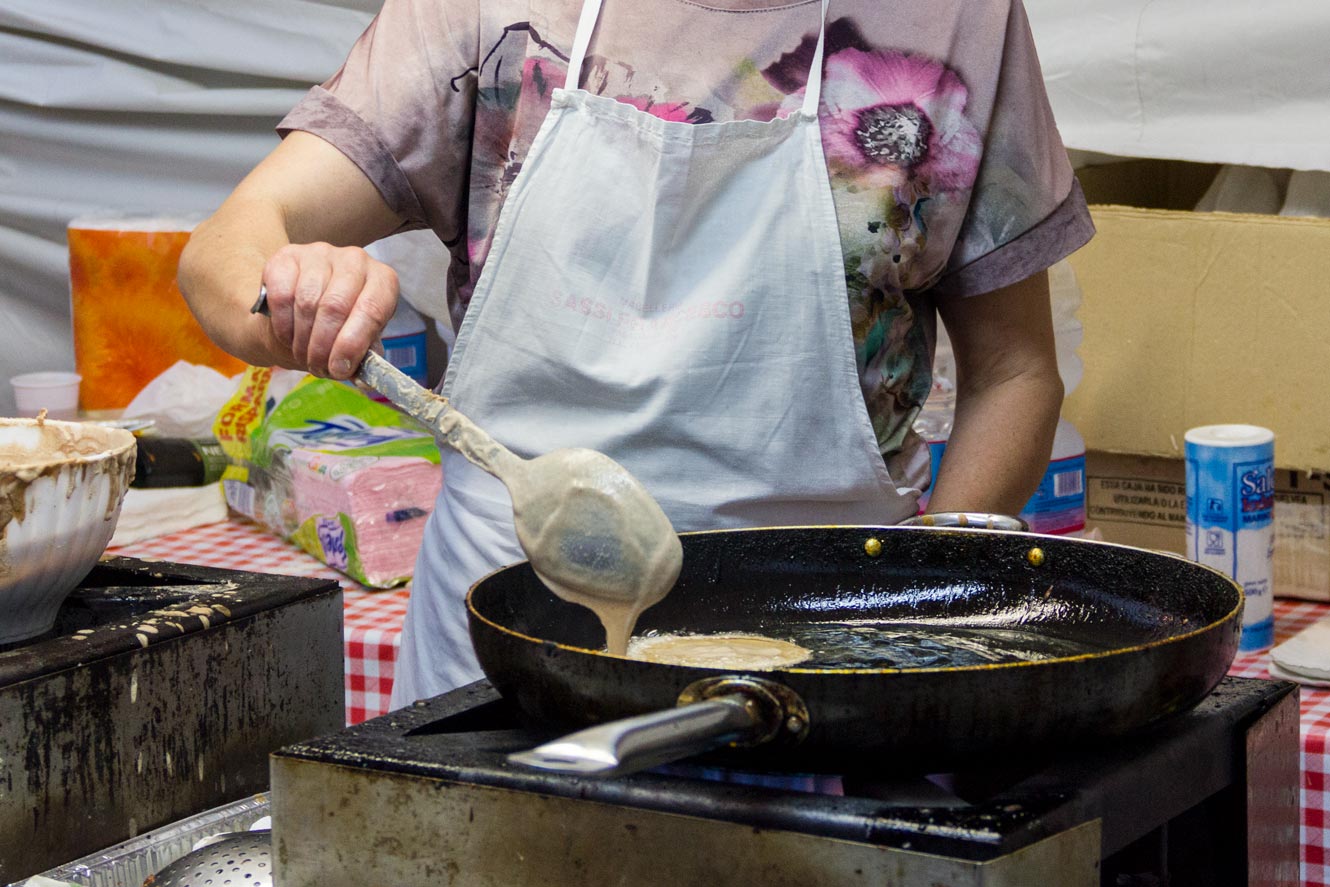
(328, 305)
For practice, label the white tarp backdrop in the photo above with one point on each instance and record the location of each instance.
(161, 106)
(139, 106)
(1217, 81)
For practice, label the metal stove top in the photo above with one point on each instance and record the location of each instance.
(124, 601)
(159, 693)
(430, 786)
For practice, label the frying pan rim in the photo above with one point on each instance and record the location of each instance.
(1057, 660)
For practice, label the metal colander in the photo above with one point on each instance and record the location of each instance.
(238, 859)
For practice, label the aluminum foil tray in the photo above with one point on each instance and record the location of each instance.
(130, 863)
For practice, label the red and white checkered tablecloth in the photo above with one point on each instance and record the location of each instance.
(1290, 618)
(373, 621)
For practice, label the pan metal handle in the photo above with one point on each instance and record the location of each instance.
(712, 712)
(975, 520)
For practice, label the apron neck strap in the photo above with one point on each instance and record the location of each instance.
(586, 26)
(813, 90)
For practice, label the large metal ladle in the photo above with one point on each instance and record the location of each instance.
(591, 531)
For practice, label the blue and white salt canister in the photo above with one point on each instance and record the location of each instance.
(1230, 516)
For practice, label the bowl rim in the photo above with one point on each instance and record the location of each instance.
(119, 442)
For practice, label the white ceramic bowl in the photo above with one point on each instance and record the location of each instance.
(61, 486)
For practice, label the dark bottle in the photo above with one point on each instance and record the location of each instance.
(177, 462)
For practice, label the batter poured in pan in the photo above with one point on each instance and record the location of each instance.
(728, 651)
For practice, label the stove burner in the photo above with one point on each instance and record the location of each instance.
(443, 762)
(111, 598)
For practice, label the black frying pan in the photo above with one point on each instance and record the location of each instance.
(934, 646)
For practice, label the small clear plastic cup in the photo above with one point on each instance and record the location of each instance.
(55, 392)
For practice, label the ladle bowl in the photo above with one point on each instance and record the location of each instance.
(590, 530)
(607, 535)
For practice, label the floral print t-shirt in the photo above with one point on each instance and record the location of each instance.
(946, 169)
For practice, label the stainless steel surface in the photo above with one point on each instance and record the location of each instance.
(1274, 771)
(238, 859)
(711, 713)
(425, 796)
(111, 731)
(132, 862)
(334, 827)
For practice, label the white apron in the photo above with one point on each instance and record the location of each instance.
(670, 294)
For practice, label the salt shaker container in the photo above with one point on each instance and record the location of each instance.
(1230, 516)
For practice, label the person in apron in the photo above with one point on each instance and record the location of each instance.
(641, 277)
(641, 271)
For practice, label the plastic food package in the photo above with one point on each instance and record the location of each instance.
(349, 480)
(122, 282)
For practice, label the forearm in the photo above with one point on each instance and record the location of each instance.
(220, 273)
(295, 224)
(1000, 443)
(1008, 397)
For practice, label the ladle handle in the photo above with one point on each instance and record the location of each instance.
(401, 390)
(431, 410)
(437, 414)
(713, 712)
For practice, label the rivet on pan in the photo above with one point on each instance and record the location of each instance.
(873, 547)
(794, 724)
(1035, 556)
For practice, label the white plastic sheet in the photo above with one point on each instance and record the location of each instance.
(161, 106)
(1235, 81)
(183, 401)
(138, 106)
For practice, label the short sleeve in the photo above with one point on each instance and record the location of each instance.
(400, 111)
(1026, 209)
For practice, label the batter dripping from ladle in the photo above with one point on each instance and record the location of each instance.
(591, 531)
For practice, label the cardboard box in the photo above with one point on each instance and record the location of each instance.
(1199, 318)
(1142, 501)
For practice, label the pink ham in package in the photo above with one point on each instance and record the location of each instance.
(347, 479)
(363, 515)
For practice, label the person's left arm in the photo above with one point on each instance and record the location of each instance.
(1008, 397)
(1026, 212)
